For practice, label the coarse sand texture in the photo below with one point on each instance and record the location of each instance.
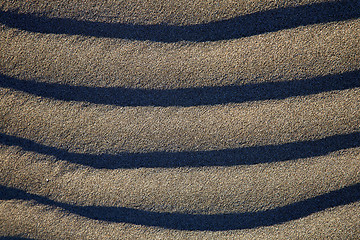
(180, 119)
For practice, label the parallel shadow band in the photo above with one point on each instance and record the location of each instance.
(242, 26)
(200, 222)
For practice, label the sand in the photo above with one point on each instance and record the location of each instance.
(180, 119)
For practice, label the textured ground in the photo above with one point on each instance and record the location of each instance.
(180, 119)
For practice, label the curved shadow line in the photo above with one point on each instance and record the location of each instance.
(242, 26)
(186, 96)
(200, 222)
(227, 157)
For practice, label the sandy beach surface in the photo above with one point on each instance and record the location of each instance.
(180, 119)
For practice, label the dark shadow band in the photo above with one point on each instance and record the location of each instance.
(242, 26)
(185, 97)
(227, 157)
(200, 222)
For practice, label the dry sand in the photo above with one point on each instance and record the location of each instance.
(180, 119)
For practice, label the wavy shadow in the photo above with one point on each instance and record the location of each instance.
(227, 157)
(242, 26)
(186, 96)
(200, 222)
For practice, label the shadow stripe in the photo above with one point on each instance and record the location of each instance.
(200, 222)
(243, 26)
(227, 157)
(186, 96)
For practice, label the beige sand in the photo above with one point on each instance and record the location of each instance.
(108, 137)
